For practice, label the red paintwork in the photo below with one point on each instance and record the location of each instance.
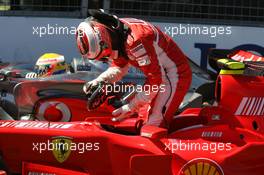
(2, 172)
(240, 143)
(103, 114)
(78, 108)
(54, 112)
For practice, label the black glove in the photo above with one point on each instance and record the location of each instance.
(87, 87)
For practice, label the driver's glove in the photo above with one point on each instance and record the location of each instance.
(89, 85)
(123, 112)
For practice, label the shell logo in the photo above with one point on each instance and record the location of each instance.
(201, 166)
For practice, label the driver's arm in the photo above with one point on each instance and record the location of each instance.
(115, 72)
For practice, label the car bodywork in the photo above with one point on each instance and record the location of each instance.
(228, 140)
(223, 139)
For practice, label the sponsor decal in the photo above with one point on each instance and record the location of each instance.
(34, 124)
(138, 51)
(50, 60)
(39, 173)
(212, 134)
(246, 56)
(201, 166)
(143, 61)
(85, 67)
(63, 150)
(251, 106)
(54, 111)
(134, 21)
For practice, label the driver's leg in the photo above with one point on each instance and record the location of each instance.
(176, 100)
(156, 116)
(167, 102)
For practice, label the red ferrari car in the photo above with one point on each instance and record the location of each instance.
(221, 139)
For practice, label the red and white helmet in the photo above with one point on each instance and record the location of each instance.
(93, 40)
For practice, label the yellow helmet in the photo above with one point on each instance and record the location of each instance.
(50, 64)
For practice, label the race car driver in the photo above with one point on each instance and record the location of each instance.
(49, 64)
(135, 42)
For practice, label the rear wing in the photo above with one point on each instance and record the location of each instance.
(237, 62)
(243, 56)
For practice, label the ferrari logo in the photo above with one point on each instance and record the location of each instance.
(201, 166)
(61, 148)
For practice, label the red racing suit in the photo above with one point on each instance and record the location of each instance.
(162, 62)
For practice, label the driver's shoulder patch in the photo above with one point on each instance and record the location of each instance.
(138, 50)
